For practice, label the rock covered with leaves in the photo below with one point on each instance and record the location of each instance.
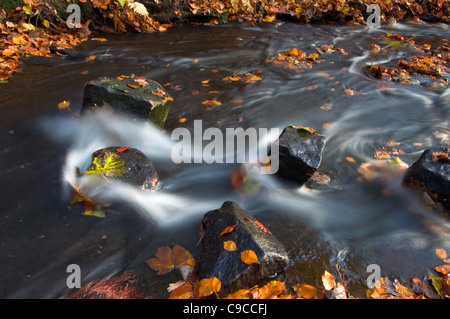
(300, 153)
(132, 96)
(237, 249)
(431, 172)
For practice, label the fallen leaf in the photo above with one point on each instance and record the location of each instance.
(350, 159)
(306, 291)
(182, 120)
(249, 257)
(133, 86)
(163, 261)
(227, 230)
(229, 245)
(208, 286)
(440, 156)
(63, 105)
(328, 281)
(181, 290)
(443, 269)
(441, 253)
(349, 92)
(123, 149)
(211, 102)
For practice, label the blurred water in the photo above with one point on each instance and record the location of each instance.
(348, 222)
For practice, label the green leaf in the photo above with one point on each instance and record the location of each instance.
(437, 284)
(122, 2)
(109, 164)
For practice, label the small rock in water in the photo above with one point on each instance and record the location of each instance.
(300, 154)
(431, 172)
(124, 164)
(130, 96)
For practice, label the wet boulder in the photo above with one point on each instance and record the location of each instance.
(126, 165)
(431, 172)
(134, 97)
(300, 153)
(231, 223)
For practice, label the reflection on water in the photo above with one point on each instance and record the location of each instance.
(347, 222)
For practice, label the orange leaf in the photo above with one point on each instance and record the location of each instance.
(229, 245)
(443, 269)
(349, 92)
(441, 253)
(261, 226)
(227, 230)
(182, 120)
(307, 292)
(133, 86)
(208, 286)
(123, 149)
(350, 159)
(249, 257)
(211, 102)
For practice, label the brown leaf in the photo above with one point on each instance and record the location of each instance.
(306, 291)
(163, 261)
(440, 156)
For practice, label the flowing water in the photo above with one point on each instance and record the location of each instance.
(346, 222)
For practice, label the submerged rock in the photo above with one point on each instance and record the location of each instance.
(126, 165)
(132, 97)
(300, 153)
(247, 234)
(431, 172)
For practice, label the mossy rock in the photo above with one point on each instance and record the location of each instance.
(128, 98)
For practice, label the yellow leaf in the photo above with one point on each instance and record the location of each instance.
(249, 257)
(229, 245)
(182, 120)
(63, 105)
(46, 23)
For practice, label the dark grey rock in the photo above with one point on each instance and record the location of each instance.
(227, 266)
(133, 168)
(431, 174)
(300, 154)
(146, 102)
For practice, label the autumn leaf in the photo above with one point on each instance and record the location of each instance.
(306, 291)
(441, 253)
(328, 281)
(135, 87)
(122, 149)
(163, 262)
(350, 159)
(208, 286)
(229, 245)
(227, 230)
(249, 257)
(182, 289)
(211, 102)
(443, 269)
(349, 92)
(63, 105)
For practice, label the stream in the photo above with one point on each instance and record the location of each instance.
(347, 222)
